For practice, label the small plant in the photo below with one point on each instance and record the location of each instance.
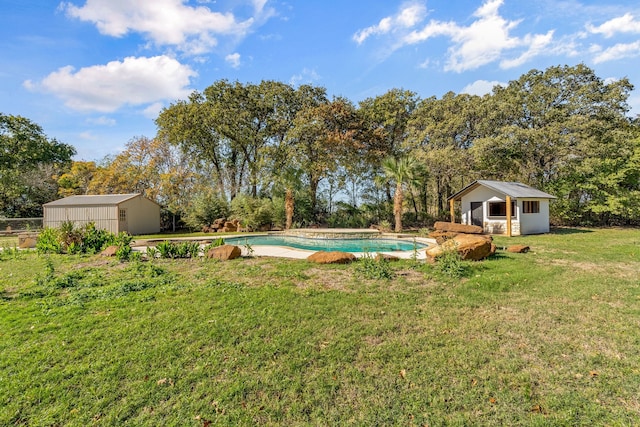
(374, 268)
(450, 263)
(152, 253)
(166, 249)
(248, 248)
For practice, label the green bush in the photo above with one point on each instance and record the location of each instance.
(450, 264)
(374, 268)
(49, 241)
(252, 211)
(204, 209)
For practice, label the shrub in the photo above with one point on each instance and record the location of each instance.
(205, 209)
(166, 249)
(450, 263)
(372, 268)
(49, 241)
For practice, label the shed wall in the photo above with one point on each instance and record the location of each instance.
(490, 225)
(143, 216)
(104, 217)
(535, 223)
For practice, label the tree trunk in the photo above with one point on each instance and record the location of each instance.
(288, 208)
(397, 207)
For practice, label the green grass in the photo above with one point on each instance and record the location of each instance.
(544, 338)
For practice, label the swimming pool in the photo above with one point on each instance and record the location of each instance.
(324, 244)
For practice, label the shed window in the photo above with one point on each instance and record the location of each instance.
(531, 206)
(499, 209)
(122, 215)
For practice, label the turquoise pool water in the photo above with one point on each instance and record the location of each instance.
(341, 245)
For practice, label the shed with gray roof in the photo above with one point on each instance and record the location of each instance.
(116, 213)
(499, 207)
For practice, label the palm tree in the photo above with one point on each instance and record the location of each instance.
(403, 170)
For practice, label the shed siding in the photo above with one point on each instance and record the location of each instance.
(143, 216)
(535, 223)
(491, 225)
(104, 217)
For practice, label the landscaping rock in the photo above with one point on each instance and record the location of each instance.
(229, 227)
(442, 236)
(457, 228)
(324, 257)
(27, 240)
(224, 252)
(109, 251)
(470, 247)
(518, 249)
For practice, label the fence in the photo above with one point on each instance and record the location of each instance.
(18, 225)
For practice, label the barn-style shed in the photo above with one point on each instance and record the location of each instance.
(132, 213)
(510, 208)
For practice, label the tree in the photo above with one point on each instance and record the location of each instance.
(77, 180)
(402, 171)
(323, 137)
(440, 134)
(557, 130)
(29, 164)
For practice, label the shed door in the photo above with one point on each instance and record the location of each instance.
(122, 220)
(476, 214)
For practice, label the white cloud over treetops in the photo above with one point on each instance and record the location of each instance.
(481, 87)
(106, 88)
(408, 16)
(193, 30)
(623, 24)
(490, 37)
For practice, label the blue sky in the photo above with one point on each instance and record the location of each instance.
(95, 73)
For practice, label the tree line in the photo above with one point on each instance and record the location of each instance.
(274, 154)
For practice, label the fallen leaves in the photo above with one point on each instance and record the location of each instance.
(164, 381)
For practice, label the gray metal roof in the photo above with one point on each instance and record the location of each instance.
(93, 200)
(511, 189)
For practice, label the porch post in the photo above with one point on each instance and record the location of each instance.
(452, 210)
(508, 216)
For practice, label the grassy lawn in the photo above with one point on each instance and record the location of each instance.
(551, 337)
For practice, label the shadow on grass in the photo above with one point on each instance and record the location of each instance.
(569, 230)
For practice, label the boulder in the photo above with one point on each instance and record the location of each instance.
(442, 236)
(470, 247)
(27, 240)
(518, 249)
(335, 257)
(110, 251)
(224, 252)
(457, 228)
(229, 227)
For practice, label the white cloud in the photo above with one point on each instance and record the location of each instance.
(102, 121)
(409, 15)
(486, 39)
(306, 76)
(538, 44)
(105, 88)
(168, 22)
(153, 110)
(622, 24)
(618, 51)
(481, 87)
(233, 59)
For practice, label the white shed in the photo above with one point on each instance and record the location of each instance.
(498, 207)
(132, 213)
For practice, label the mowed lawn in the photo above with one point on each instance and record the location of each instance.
(550, 337)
